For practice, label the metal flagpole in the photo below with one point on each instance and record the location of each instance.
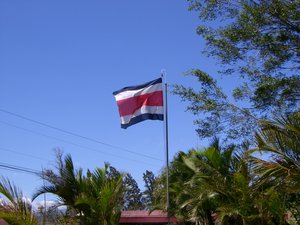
(166, 138)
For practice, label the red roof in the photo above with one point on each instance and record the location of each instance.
(143, 216)
(2, 222)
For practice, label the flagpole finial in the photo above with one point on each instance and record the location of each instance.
(164, 75)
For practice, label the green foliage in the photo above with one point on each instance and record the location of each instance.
(94, 198)
(257, 41)
(148, 194)
(218, 186)
(132, 194)
(132, 197)
(264, 30)
(99, 198)
(17, 210)
(281, 138)
(65, 183)
(221, 116)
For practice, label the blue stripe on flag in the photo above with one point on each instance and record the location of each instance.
(142, 117)
(137, 87)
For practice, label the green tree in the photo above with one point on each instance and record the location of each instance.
(100, 198)
(216, 171)
(179, 174)
(65, 183)
(148, 194)
(281, 139)
(217, 185)
(132, 197)
(112, 173)
(132, 194)
(257, 41)
(94, 198)
(16, 210)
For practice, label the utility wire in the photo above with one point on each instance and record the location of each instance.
(77, 135)
(19, 169)
(24, 154)
(68, 142)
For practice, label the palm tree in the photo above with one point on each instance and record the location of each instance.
(179, 174)
(102, 198)
(281, 140)
(199, 180)
(17, 210)
(221, 183)
(93, 198)
(217, 186)
(65, 184)
(195, 207)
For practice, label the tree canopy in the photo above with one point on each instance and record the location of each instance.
(257, 44)
(224, 185)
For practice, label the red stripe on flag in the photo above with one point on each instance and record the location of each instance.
(130, 105)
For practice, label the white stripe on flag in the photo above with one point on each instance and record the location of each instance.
(142, 91)
(142, 110)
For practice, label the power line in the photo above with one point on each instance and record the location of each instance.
(68, 142)
(19, 169)
(77, 135)
(24, 154)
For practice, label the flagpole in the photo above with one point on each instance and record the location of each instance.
(166, 140)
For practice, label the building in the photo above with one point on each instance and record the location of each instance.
(141, 217)
(2, 222)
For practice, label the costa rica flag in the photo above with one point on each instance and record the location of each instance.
(141, 102)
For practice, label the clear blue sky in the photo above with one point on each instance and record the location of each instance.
(60, 61)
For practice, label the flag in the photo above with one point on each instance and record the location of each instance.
(141, 102)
